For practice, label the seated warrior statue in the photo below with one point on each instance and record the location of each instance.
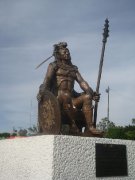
(60, 78)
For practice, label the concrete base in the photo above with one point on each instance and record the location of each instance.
(52, 157)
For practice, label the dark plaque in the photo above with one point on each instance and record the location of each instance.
(111, 160)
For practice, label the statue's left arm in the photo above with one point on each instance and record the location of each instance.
(83, 84)
(86, 88)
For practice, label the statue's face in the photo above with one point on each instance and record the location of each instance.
(64, 54)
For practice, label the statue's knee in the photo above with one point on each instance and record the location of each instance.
(87, 97)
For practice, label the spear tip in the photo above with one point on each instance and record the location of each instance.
(106, 20)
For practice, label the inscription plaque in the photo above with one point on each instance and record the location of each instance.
(111, 160)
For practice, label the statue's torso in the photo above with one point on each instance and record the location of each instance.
(65, 77)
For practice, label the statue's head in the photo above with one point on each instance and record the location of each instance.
(61, 52)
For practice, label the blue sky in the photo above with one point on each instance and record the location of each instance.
(28, 30)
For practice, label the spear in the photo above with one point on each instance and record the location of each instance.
(55, 51)
(43, 62)
(105, 35)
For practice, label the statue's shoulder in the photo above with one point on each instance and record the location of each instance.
(53, 65)
(75, 67)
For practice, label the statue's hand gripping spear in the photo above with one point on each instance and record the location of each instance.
(105, 36)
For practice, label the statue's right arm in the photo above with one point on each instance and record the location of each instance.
(49, 77)
(47, 81)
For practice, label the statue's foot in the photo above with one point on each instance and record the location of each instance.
(93, 132)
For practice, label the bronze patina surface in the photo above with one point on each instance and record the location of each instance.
(59, 104)
(49, 114)
(62, 110)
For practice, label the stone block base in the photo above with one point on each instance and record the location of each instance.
(52, 157)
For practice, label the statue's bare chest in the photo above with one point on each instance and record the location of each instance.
(69, 72)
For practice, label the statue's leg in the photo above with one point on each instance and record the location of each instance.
(67, 108)
(86, 102)
(87, 109)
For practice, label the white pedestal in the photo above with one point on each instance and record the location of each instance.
(52, 157)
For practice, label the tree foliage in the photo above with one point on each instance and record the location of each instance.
(22, 132)
(117, 132)
(133, 121)
(127, 132)
(4, 135)
(33, 130)
(105, 124)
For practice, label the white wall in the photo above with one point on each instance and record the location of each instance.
(56, 158)
(74, 158)
(26, 158)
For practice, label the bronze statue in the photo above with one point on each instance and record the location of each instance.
(60, 105)
(59, 80)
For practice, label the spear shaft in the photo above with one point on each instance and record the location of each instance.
(43, 62)
(105, 35)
